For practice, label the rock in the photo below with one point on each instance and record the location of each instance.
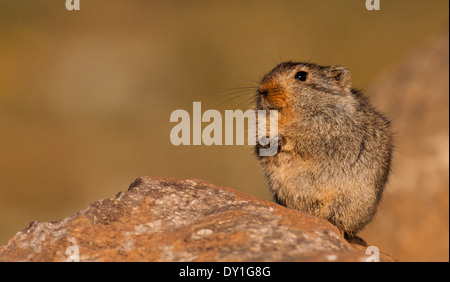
(160, 219)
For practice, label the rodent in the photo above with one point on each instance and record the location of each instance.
(335, 149)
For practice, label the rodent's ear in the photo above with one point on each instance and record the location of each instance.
(342, 76)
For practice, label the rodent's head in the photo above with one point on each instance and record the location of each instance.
(304, 90)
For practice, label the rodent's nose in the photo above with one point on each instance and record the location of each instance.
(263, 92)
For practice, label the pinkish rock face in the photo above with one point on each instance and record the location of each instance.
(161, 219)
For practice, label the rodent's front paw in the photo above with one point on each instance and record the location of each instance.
(279, 139)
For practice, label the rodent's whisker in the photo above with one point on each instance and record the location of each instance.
(249, 103)
(245, 78)
(240, 96)
(245, 91)
(234, 91)
(238, 88)
(245, 106)
(238, 93)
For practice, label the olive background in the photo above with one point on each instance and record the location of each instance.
(86, 96)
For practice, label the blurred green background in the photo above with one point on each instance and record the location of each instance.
(86, 96)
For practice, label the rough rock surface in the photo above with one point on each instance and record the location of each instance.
(160, 219)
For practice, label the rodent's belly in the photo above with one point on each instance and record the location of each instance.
(319, 190)
(301, 187)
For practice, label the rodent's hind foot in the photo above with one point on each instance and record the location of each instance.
(353, 239)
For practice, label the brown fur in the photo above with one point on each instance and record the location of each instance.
(335, 152)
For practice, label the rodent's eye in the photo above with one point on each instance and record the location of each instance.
(301, 75)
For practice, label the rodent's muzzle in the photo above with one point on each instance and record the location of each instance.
(263, 92)
(272, 95)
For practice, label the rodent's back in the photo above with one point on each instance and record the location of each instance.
(336, 150)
